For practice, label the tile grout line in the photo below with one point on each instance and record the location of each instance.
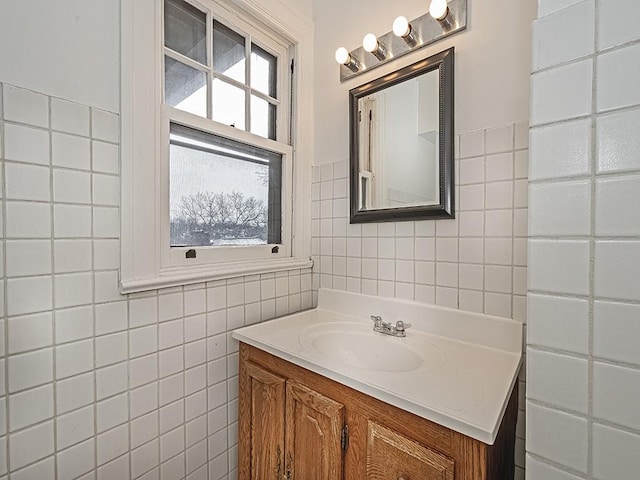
(592, 243)
(5, 287)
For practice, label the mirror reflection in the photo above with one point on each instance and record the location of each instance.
(402, 144)
(398, 149)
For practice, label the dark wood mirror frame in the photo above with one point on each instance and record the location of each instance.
(443, 62)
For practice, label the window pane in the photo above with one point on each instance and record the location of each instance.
(228, 52)
(222, 192)
(185, 30)
(263, 71)
(185, 87)
(228, 104)
(263, 118)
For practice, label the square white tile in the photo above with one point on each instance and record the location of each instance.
(615, 331)
(611, 194)
(30, 445)
(500, 139)
(71, 221)
(69, 117)
(558, 379)
(25, 106)
(560, 266)
(26, 144)
(72, 256)
(499, 167)
(572, 83)
(472, 144)
(573, 218)
(617, 269)
(27, 182)
(74, 358)
(499, 195)
(618, 78)
(70, 151)
(30, 369)
(71, 186)
(562, 150)
(564, 36)
(558, 322)
(615, 453)
(557, 436)
(105, 125)
(27, 257)
(105, 157)
(30, 332)
(29, 295)
(30, 407)
(73, 289)
(28, 220)
(74, 324)
(617, 145)
(614, 389)
(74, 427)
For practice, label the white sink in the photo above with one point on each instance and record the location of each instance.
(454, 368)
(356, 345)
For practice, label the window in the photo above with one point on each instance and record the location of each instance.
(209, 173)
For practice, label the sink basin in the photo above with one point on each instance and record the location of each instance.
(356, 345)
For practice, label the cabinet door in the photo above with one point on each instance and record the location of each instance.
(313, 435)
(261, 424)
(391, 456)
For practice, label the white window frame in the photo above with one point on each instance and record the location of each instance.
(146, 263)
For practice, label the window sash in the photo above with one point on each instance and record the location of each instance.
(175, 257)
(222, 151)
(252, 35)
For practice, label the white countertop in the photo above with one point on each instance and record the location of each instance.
(469, 365)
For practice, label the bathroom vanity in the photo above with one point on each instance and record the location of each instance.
(322, 396)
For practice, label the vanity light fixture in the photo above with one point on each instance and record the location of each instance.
(343, 57)
(371, 44)
(403, 29)
(443, 18)
(439, 10)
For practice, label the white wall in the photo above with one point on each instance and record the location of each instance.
(491, 69)
(68, 49)
(583, 369)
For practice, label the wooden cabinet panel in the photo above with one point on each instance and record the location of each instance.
(261, 425)
(391, 456)
(313, 434)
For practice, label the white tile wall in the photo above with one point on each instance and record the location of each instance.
(584, 280)
(101, 385)
(476, 262)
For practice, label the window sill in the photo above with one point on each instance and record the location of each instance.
(187, 276)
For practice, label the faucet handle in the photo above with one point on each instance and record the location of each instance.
(377, 319)
(402, 326)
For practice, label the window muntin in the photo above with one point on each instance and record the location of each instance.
(222, 192)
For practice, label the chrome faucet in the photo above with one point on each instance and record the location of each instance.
(397, 330)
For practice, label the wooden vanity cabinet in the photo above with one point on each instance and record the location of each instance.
(297, 425)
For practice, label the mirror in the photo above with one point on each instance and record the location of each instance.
(401, 144)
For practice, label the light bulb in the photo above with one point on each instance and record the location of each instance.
(342, 56)
(370, 42)
(438, 9)
(401, 27)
